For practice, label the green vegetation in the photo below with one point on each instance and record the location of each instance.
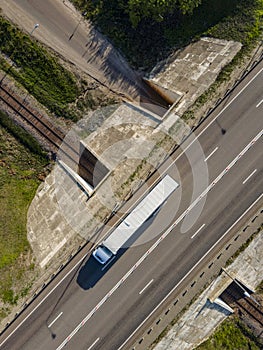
(21, 135)
(244, 246)
(259, 288)
(20, 173)
(137, 10)
(153, 40)
(232, 334)
(244, 26)
(37, 70)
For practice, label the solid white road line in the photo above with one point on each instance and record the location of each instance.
(159, 240)
(211, 154)
(259, 103)
(55, 320)
(191, 143)
(200, 228)
(253, 172)
(147, 285)
(93, 343)
(188, 273)
(41, 302)
(208, 125)
(52, 290)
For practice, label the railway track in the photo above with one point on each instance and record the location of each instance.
(235, 297)
(55, 137)
(43, 126)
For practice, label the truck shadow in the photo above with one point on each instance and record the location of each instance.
(89, 274)
(92, 271)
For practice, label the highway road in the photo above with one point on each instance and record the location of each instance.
(95, 308)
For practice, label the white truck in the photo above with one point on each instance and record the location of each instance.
(133, 221)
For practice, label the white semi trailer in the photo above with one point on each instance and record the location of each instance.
(132, 222)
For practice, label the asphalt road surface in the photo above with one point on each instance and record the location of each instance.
(86, 310)
(66, 32)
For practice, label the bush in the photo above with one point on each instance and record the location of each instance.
(151, 41)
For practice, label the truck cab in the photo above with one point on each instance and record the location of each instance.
(102, 254)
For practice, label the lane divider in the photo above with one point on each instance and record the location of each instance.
(200, 228)
(147, 285)
(166, 233)
(210, 155)
(93, 343)
(164, 171)
(253, 172)
(188, 273)
(55, 319)
(259, 103)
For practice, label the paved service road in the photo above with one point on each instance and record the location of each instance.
(66, 32)
(232, 150)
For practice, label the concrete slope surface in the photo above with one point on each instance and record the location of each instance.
(92, 307)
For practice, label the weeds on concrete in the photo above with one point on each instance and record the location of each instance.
(231, 334)
(244, 246)
(244, 26)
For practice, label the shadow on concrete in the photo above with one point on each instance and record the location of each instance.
(100, 53)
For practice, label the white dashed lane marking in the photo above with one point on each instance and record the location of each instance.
(163, 236)
(55, 320)
(249, 176)
(259, 103)
(95, 342)
(147, 285)
(211, 154)
(200, 228)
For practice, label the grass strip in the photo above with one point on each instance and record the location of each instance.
(39, 72)
(21, 171)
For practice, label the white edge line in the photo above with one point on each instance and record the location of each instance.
(55, 319)
(200, 228)
(211, 154)
(94, 343)
(211, 122)
(147, 285)
(134, 204)
(52, 290)
(66, 340)
(188, 273)
(190, 144)
(259, 103)
(249, 176)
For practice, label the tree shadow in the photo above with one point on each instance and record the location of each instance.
(152, 41)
